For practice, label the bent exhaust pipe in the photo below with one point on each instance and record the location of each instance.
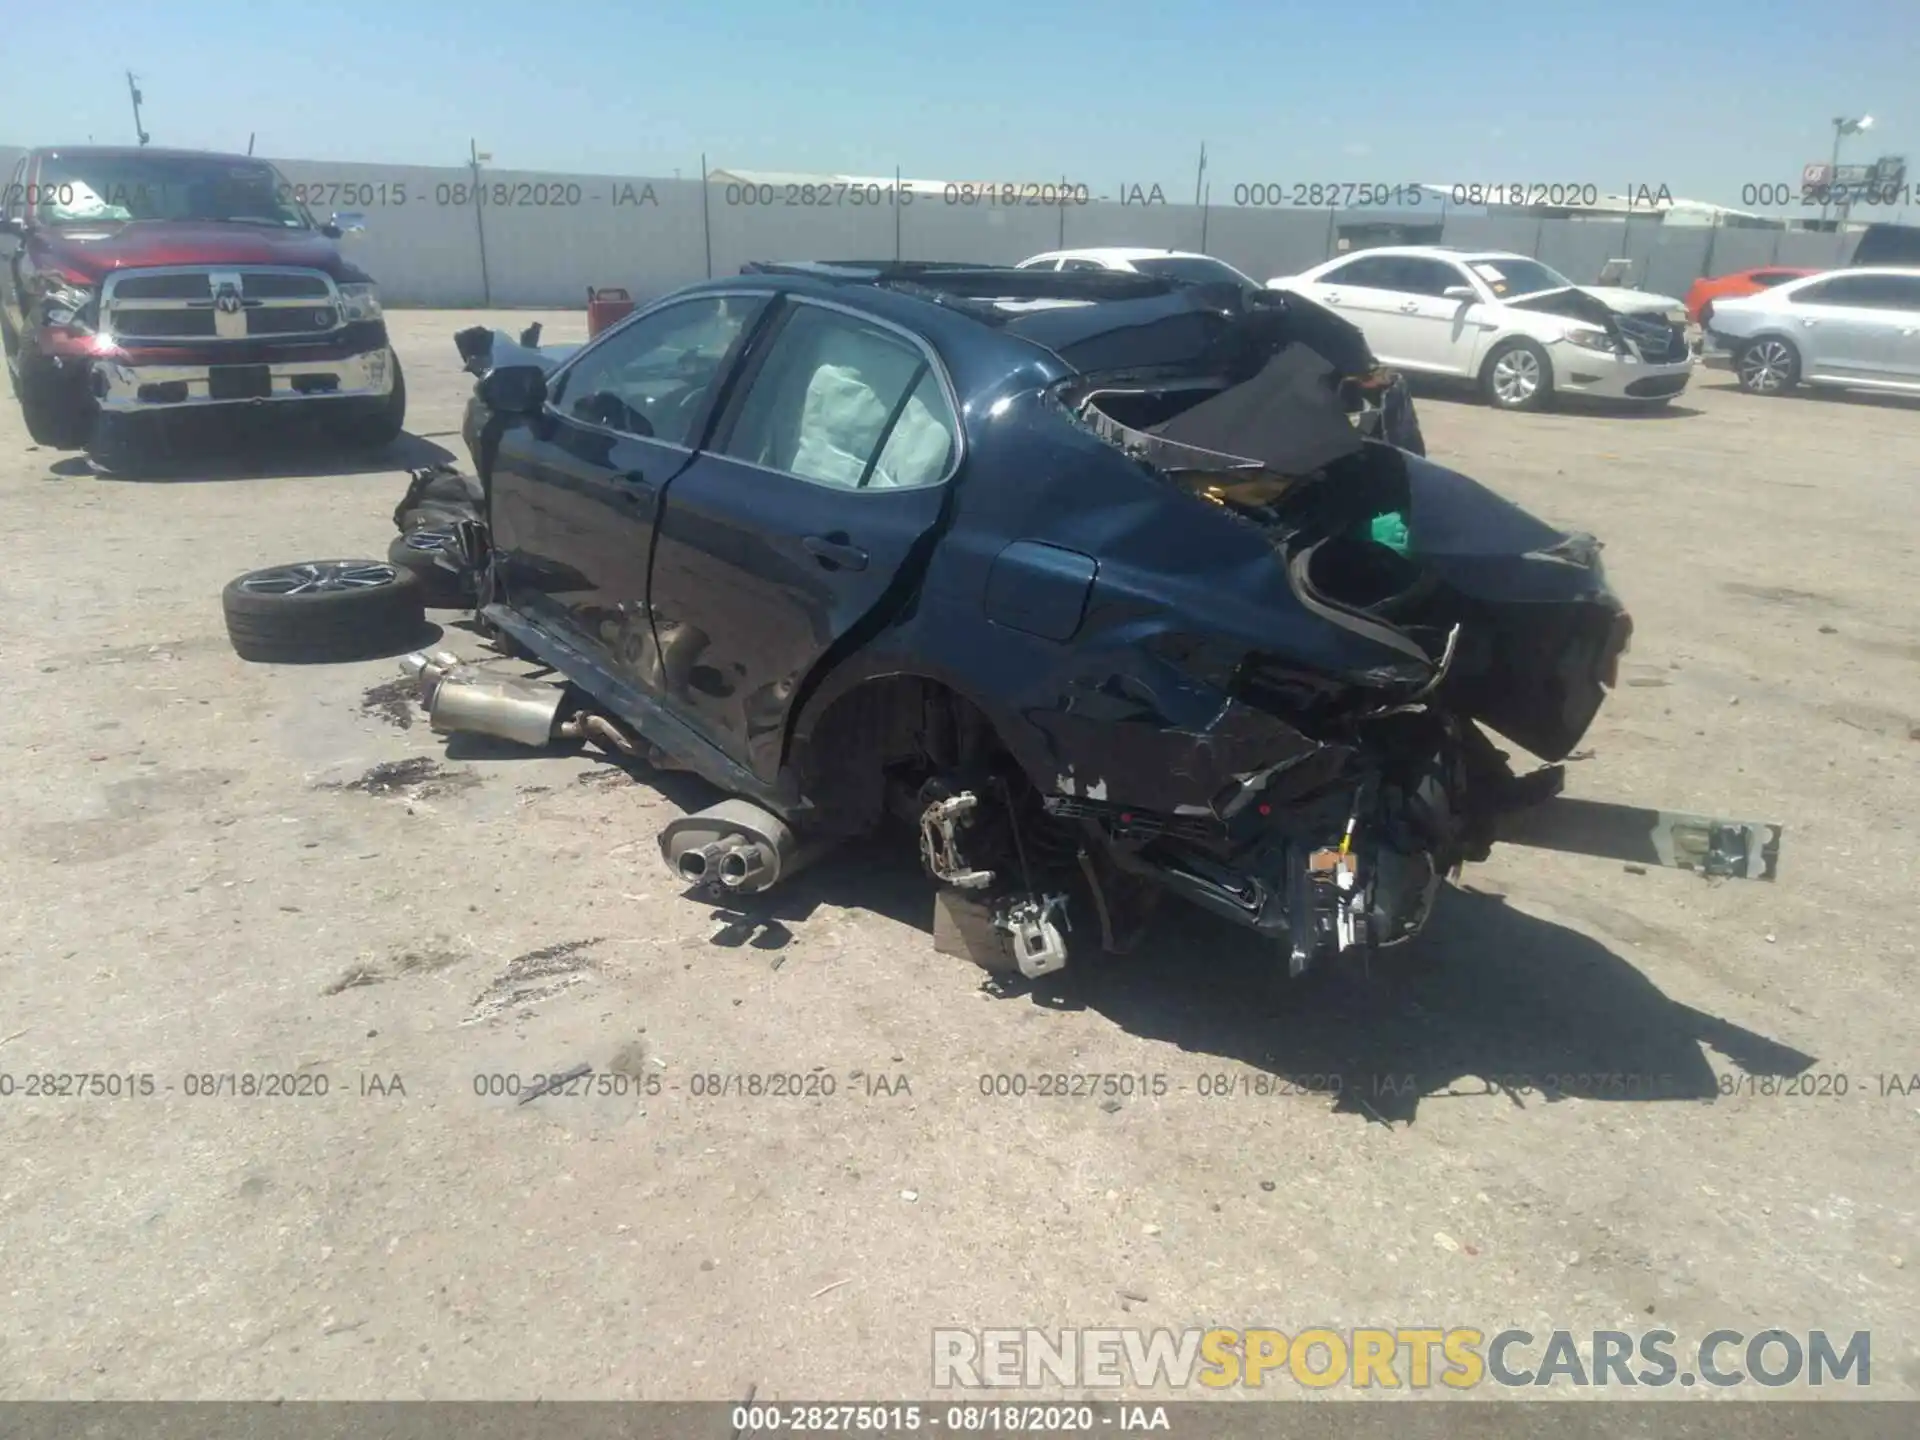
(735, 846)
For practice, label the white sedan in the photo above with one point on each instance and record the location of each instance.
(1520, 329)
(1855, 328)
(1168, 264)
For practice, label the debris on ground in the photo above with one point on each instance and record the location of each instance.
(422, 961)
(554, 1082)
(392, 702)
(419, 778)
(535, 976)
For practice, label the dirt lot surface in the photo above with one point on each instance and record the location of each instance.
(211, 868)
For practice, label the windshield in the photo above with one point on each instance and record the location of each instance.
(75, 189)
(1193, 269)
(1510, 278)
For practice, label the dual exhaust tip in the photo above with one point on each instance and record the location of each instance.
(735, 846)
(734, 864)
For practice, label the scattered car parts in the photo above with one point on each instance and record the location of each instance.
(323, 610)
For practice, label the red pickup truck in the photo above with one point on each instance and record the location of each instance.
(141, 281)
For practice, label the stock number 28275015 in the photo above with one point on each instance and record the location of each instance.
(1074, 1085)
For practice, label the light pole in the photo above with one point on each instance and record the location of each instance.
(1841, 126)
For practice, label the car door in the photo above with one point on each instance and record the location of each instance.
(576, 491)
(1363, 290)
(1902, 302)
(802, 521)
(1435, 333)
(1841, 328)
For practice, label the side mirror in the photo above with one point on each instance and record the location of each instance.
(514, 389)
(350, 222)
(1458, 292)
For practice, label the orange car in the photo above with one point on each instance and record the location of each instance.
(1741, 282)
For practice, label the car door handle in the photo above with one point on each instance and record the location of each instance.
(636, 489)
(1332, 297)
(835, 551)
(1409, 307)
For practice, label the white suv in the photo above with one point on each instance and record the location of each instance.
(1857, 328)
(1168, 264)
(1521, 329)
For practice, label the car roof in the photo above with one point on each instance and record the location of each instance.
(1122, 252)
(40, 152)
(1068, 313)
(1433, 252)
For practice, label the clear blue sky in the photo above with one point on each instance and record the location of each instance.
(1702, 95)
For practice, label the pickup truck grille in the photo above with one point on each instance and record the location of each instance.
(218, 303)
(1659, 341)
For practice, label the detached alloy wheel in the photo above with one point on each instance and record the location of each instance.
(1518, 376)
(1768, 366)
(320, 610)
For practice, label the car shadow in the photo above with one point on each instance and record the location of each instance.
(1833, 395)
(199, 454)
(1428, 390)
(1489, 1004)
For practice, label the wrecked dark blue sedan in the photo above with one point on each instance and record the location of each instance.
(1091, 580)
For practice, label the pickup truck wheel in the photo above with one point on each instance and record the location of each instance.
(1767, 366)
(56, 406)
(319, 610)
(1517, 376)
(440, 588)
(374, 429)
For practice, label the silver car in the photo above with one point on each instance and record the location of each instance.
(1856, 328)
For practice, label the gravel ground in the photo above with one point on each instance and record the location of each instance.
(206, 870)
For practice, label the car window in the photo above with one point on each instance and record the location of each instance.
(1767, 279)
(844, 403)
(1192, 270)
(1903, 292)
(1510, 277)
(1420, 276)
(1374, 271)
(1870, 291)
(650, 377)
(1081, 265)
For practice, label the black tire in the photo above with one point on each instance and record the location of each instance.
(376, 429)
(1504, 378)
(1768, 365)
(56, 406)
(322, 610)
(440, 588)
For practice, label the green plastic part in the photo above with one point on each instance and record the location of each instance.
(1390, 530)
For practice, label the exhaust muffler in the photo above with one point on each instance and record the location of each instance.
(463, 699)
(735, 846)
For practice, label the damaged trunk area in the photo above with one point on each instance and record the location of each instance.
(1323, 802)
